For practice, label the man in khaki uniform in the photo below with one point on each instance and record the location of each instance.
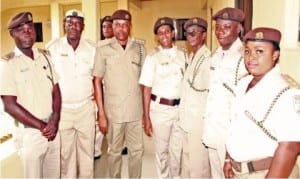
(73, 57)
(227, 68)
(31, 95)
(118, 64)
(193, 101)
(161, 78)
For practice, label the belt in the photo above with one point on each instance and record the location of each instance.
(165, 101)
(252, 166)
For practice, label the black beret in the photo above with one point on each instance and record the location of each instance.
(195, 21)
(163, 21)
(230, 13)
(19, 19)
(121, 14)
(263, 34)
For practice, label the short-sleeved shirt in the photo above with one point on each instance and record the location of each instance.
(227, 67)
(120, 69)
(30, 81)
(75, 70)
(195, 90)
(163, 71)
(247, 141)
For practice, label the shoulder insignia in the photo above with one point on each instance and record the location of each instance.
(43, 51)
(182, 49)
(241, 50)
(290, 81)
(139, 41)
(297, 103)
(8, 56)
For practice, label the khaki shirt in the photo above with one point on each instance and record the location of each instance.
(194, 91)
(75, 70)
(120, 70)
(227, 67)
(163, 71)
(29, 80)
(247, 141)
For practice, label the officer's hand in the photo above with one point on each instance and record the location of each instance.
(227, 169)
(147, 126)
(102, 123)
(51, 129)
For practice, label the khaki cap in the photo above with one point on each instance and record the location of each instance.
(163, 21)
(195, 21)
(230, 13)
(263, 34)
(20, 19)
(121, 14)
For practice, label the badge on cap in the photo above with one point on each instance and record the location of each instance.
(297, 103)
(195, 20)
(74, 13)
(225, 15)
(127, 16)
(162, 21)
(29, 17)
(259, 35)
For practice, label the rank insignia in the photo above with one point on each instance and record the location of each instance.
(297, 103)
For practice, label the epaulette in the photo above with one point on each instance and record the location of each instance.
(43, 51)
(51, 43)
(182, 49)
(104, 42)
(241, 50)
(290, 81)
(9, 56)
(92, 43)
(139, 41)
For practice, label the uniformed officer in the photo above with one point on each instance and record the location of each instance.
(118, 64)
(161, 79)
(265, 136)
(226, 69)
(74, 60)
(193, 101)
(31, 95)
(106, 33)
(106, 28)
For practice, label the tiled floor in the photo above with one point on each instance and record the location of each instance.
(148, 170)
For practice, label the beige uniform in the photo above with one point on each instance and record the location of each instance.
(163, 72)
(192, 109)
(120, 70)
(77, 124)
(272, 95)
(31, 81)
(227, 68)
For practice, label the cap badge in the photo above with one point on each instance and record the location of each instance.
(225, 15)
(162, 21)
(259, 35)
(74, 13)
(126, 16)
(195, 20)
(29, 17)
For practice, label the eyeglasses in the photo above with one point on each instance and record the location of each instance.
(193, 33)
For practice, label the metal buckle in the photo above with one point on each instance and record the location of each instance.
(250, 167)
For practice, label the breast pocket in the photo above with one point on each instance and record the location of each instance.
(24, 83)
(86, 67)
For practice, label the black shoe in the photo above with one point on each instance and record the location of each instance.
(97, 157)
(124, 151)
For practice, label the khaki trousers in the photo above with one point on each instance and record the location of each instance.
(195, 163)
(167, 139)
(77, 130)
(40, 158)
(216, 163)
(130, 133)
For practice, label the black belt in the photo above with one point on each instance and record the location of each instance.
(165, 101)
(253, 166)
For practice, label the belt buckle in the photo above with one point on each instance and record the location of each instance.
(250, 167)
